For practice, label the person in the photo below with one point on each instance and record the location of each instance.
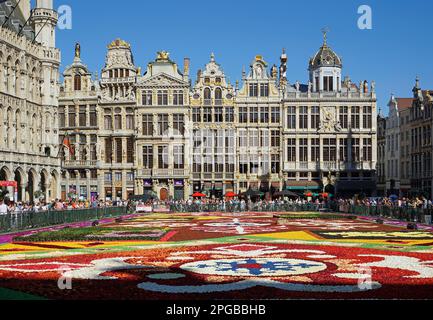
(3, 208)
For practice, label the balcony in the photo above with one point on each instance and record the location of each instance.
(163, 173)
(117, 80)
(207, 102)
(80, 164)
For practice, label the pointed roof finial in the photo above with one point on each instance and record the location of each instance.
(417, 82)
(325, 31)
(212, 57)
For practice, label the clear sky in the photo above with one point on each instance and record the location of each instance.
(397, 49)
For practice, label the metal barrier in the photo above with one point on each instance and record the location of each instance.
(30, 219)
(238, 207)
(398, 213)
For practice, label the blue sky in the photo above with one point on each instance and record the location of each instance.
(393, 53)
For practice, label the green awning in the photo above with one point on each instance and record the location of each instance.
(304, 188)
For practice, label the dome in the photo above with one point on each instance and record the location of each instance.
(325, 57)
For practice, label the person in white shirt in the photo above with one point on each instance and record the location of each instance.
(3, 208)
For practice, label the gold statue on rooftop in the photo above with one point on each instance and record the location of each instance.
(162, 56)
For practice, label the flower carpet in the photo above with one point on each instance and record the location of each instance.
(220, 256)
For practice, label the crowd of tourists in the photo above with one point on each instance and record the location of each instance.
(56, 205)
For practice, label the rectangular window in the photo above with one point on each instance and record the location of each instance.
(207, 114)
(230, 164)
(219, 114)
(243, 115)
(147, 157)
(367, 150)
(275, 138)
(130, 150)
(356, 155)
(275, 115)
(264, 138)
(196, 115)
(178, 98)
(72, 117)
(344, 155)
(254, 164)
(147, 125)
(243, 164)
(264, 90)
(119, 150)
(303, 149)
(355, 118)
(108, 150)
(291, 118)
(243, 141)
(82, 119)
(118, 122)
(162, 124)
(367, 117)
(62, 117)
(315, 118)
(254, 89)
(254, 138)
(303, 118)
(163, 157)
(291, 150)
(328, 84)
(93, 117)
(264, 114)
(230, 114)
(179, 124)
(330, 150)
(147, 98)
(130, 125)
(344, 117)
(108, 123)
(275, 163)
(163, 98)
(178, 154)
(254, 114)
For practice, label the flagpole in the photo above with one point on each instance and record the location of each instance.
(8, 17)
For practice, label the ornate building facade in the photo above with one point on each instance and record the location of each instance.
(330, 137)
(164, 129)
(157, 132)
(259, 130)
(214, 131)
(29, 78)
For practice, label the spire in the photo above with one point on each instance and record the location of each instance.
(325, 36)
(212, 57)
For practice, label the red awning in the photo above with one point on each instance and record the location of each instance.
(231, 195)
(198, 195)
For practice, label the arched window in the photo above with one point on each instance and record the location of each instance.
(218, 96)
(207, 96)
(77, 82)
